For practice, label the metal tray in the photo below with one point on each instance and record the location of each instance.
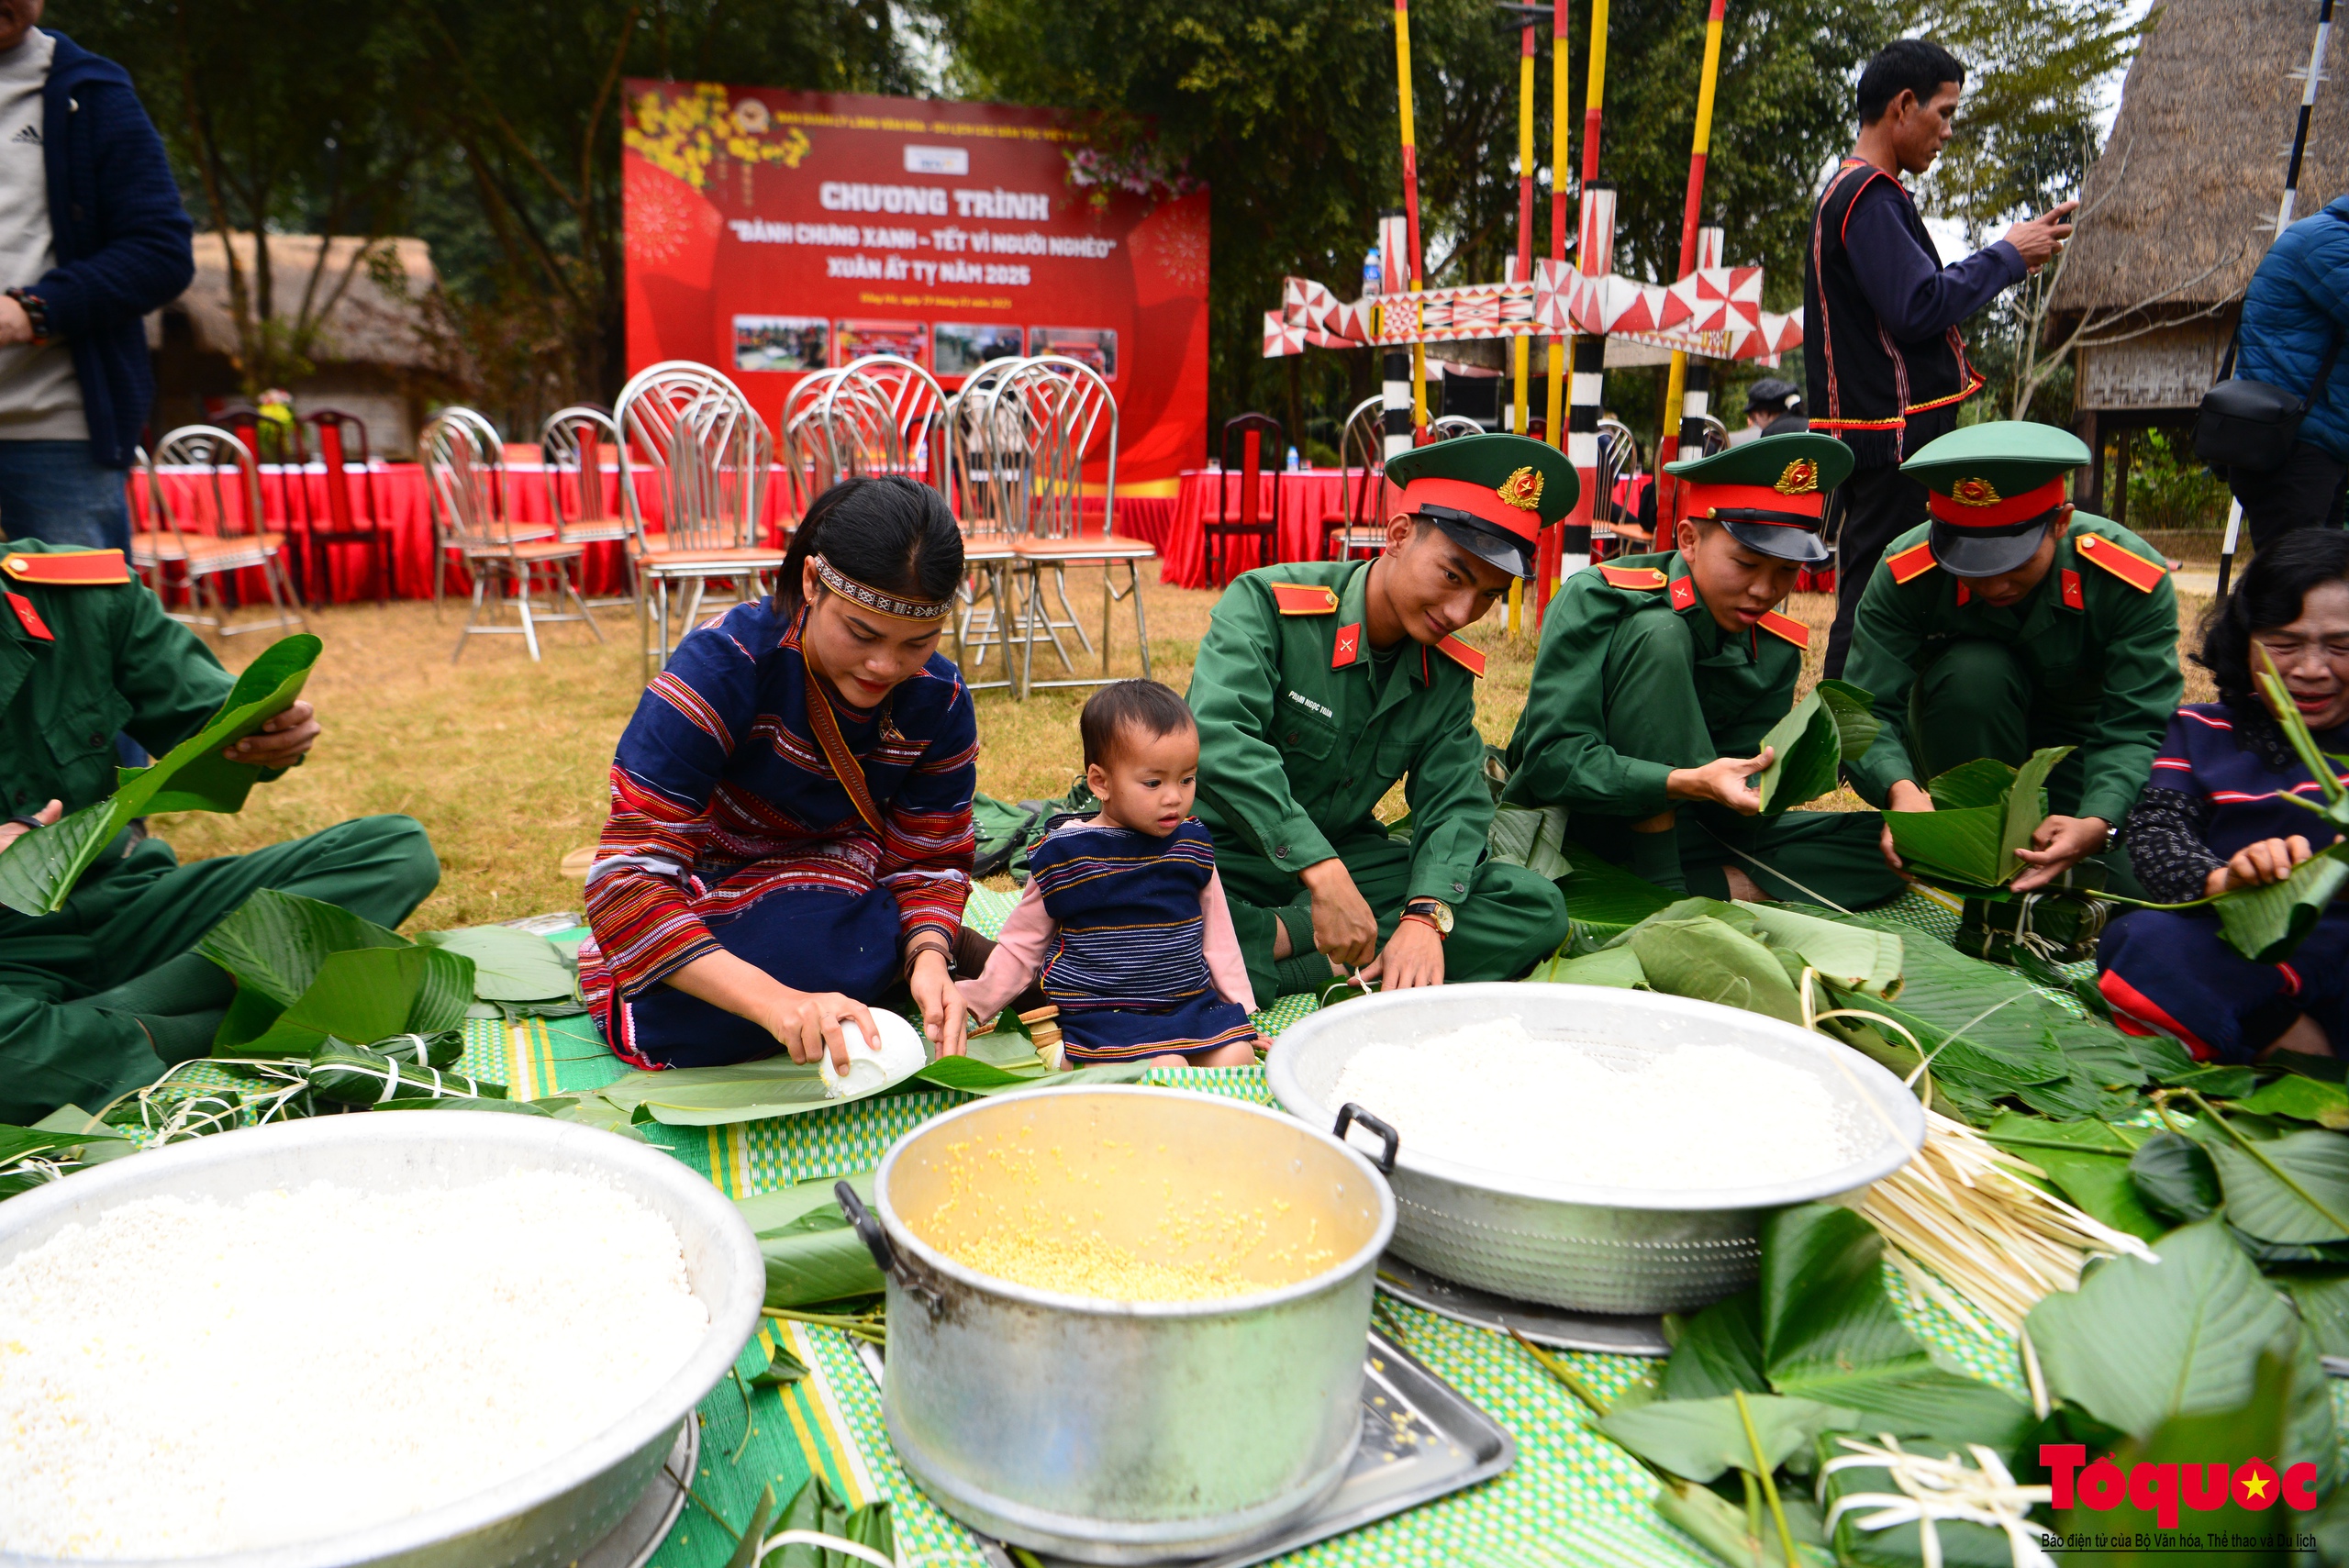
(1542, 1325)
(1420, 1441)
(635, 1539)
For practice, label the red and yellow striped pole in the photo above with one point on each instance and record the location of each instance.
(1520, 348)
(1411, 209)
(1578, 431)
(1678, 420)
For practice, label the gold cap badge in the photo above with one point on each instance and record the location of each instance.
(1801, 478)
(1522, 490)
(1975, 493)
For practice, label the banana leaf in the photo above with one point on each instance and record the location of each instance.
(813, 1254)
(2175, 1179)
(510, 965)
(1712, 962)
(1982, 812)
(1531, 837)
(1702, 1439)
(1834, 724)
(2303, 1099)
(817, 1508)
(2097, 1178)
(1618, 967)
(306, 971)
(2140, 1343)
(2267, 924)
(38, 868)
(1858, 958)
(1728, 1531)
(1603, 899)
(2308, 1205)
(1830, 1333)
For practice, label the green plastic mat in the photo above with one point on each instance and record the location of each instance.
(1572, 1498)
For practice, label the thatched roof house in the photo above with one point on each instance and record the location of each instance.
(375, 353)
(2180, 206)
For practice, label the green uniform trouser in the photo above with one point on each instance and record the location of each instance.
(1805, 856)
(95, 999)
(1977, 699)
(1509, 921)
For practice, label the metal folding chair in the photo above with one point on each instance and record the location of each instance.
(571, 445)
(1361, 448)
(1257, 440)
(694, 429)
(497, 553)
(1453, 425)
(1066, 415)
(226, 496)
(981, 621)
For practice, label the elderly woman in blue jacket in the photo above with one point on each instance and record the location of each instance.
(2295, 325)
(93, 236)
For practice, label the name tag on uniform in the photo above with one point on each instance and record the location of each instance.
(1296, 697)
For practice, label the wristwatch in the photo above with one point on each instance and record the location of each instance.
(1434, 911)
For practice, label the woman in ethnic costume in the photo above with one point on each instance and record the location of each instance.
(791, 806)
(1123, 924)
(2213, 817)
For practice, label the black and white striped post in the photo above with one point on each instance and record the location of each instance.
(2283, 221)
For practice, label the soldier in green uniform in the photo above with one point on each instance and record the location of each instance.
(98, 998)
(1658, 675)
(2012, 622)
(1322, 684)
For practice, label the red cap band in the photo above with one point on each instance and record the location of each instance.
(1995, 511)
(1697, 499)
(1479, 501)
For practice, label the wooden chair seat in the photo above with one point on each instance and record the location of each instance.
(755, 556)
(1099, 547)
(203, 554)
(532, 551)
(595, 530)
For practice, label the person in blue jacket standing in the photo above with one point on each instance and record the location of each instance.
(93, 236)
(2295, 325)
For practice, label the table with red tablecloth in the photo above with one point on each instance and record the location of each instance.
(395, 494)
(1306, 495)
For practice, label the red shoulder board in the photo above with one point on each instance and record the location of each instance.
(1912, 563)
(2075, 597)
(1786, 627)
(34, 625)
(2128, 565)
(72, 569)
(1462, 655)
(1304, 599)
(1632, 576)
(1684, 592)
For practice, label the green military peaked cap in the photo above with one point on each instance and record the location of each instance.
(1771, 494)
(1492, 493)
(1992, 486)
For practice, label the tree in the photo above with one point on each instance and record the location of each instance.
(1288, 110)
(277, 119)
(522, 100)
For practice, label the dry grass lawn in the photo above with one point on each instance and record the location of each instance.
(504, 760)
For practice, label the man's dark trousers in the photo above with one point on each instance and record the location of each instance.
(1878, 504)
(2306, 493)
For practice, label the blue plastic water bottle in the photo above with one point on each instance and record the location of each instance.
(1370, 275)
(1292, 460)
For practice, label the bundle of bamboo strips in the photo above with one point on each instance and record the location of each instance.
(1960, 1218)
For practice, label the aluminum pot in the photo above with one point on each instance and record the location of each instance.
(1127, 1431)
(1590, 1248)
(544, 1517)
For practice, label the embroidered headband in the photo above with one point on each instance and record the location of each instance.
(873, 599)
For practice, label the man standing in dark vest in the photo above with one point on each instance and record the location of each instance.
(1883, 359)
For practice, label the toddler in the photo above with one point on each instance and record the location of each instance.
(1123, 924)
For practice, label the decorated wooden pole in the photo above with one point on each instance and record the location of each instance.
(1554, 424)
(1410, 206)
(1395, 363)
(2283, 221)
(1685, 392)
(1595, 252)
